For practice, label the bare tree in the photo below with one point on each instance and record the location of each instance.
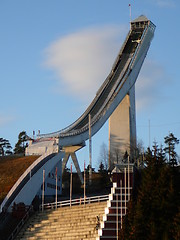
(117, 155)
(103, 156)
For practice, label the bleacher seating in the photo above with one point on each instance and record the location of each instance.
(76, 222)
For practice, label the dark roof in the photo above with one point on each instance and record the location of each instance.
(141, 18)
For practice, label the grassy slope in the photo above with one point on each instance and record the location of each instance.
(10, 170)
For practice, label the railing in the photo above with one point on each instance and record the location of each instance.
(20, 224)
(77, 201)
(138, 47)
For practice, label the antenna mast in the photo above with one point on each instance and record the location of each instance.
(130, 14)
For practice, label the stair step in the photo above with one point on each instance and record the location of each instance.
(76, 222)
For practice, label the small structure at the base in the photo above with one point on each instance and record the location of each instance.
(51, 145)
(39, 147)
(124, 172)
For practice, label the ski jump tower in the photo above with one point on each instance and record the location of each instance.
(115, 100)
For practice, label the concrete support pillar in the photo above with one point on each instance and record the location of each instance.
(70, 151)
(122, 129)
(132, 110)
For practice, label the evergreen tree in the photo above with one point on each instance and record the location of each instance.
(128, 230)
(170, 142)
(145, 218)
(176, 226)
(88, 168)
(104, 177)
(21, 144)
(125, 157)
(155, 213)
(5, 147)
(101, 168)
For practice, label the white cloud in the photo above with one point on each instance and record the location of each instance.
(82, 60)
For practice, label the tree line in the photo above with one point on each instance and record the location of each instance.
(154, 210)
(6, 148)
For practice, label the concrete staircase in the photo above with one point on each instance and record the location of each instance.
(114, 214)
(76, 222)
(117, 204)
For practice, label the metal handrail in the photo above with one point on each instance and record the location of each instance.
(77, 201)
(20, 224)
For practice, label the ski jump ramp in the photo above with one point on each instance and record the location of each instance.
(117, 85)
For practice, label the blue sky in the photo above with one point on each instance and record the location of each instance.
(54, 55)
